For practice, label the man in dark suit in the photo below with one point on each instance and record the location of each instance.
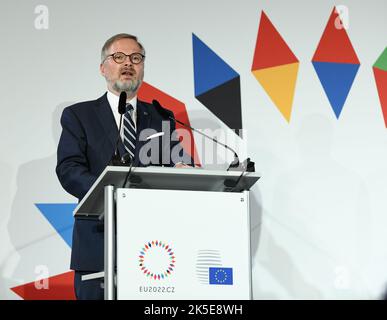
(88, 140)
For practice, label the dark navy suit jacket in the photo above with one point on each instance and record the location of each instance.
(87, 143)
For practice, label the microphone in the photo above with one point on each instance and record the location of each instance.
(122, 103)
(235, 164)
(126, 158)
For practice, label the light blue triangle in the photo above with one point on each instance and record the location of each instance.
(210, 71)
(336, 79)
(60, 216)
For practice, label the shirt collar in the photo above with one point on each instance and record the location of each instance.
(113, 101)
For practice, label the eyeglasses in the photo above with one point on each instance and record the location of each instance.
(120, 57)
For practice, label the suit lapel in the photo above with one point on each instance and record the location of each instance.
(107, 121)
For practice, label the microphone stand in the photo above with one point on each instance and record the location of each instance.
(235, 164)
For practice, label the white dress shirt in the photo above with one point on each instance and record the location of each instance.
(113, 101)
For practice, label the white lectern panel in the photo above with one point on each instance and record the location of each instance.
(183, 245)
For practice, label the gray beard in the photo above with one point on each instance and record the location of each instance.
(130, 87)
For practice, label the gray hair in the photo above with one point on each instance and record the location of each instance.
(119, 36)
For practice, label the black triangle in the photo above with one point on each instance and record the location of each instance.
(225, 102)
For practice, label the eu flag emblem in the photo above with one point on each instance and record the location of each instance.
(220, 276)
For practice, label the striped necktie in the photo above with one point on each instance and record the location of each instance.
(129, 131)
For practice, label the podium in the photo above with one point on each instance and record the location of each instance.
(173, 233)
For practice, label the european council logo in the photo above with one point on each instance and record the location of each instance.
(222, 276)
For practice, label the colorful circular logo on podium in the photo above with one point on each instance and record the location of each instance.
(157, 260)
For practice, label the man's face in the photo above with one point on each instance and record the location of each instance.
(125, 76)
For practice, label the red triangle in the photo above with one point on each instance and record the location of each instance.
(60, 287)
(334, 45)
(147, 93)
(271, 50)
(381, 84)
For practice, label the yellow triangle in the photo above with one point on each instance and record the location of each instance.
(279, 83)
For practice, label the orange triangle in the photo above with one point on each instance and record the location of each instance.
(271, 50)
(280, 83)
(335, 45)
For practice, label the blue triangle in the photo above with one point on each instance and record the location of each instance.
(336, 79)
(210, 71)
(60, 215)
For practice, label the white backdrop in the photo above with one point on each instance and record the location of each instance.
(319, 211)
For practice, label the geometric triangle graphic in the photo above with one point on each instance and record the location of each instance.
(60, 216)
(60, 287)
(210, 70)
(381, 84)
(224, 102)
(275, 66)
(381, 63)
(336, 79)
(335, 45)
(279, 83)
(148, 93)
(270, 50)
(336, 62)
